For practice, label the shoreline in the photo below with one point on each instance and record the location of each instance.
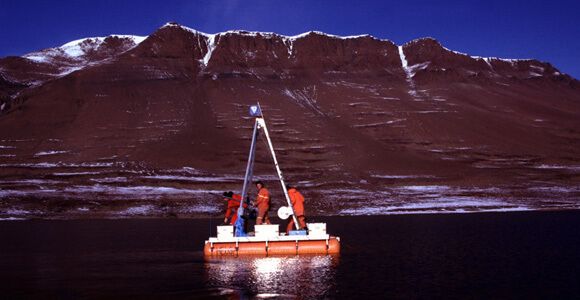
(274, 218)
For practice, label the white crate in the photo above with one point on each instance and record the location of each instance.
(266, 231)
(316, 228)
(226, 231)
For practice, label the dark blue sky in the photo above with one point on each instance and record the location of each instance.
(546, 30)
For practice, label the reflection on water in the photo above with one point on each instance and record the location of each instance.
(302, 276)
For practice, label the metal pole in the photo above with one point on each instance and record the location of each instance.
(239, 226)
(249, 168)
(262, 123)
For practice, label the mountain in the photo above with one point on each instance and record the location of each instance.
(362, 125)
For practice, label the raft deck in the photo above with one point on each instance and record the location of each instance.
(268, 241)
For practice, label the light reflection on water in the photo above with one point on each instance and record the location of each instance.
(298, 276)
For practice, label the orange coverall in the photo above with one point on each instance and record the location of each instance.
(298, 205)
(263, 204)
(233, 205)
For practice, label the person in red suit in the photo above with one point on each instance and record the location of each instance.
(262, 203)
(233, 201)
(297, 201)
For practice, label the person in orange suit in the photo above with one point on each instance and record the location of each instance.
(232, 208)
(297, 201)
(262, 203)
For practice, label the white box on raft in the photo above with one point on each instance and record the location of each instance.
(316, 232)
(225, 231)
(266, 231)
(316, 228)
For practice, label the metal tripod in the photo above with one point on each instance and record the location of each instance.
(260, 123)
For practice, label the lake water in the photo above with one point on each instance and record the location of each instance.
(481, 255)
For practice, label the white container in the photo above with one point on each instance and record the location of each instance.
(225, 231)
(266, 231)
(316, 229)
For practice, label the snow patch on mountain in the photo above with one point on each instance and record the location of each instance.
(211, 45)
(78, 48)
(73, 56)
(305, 97)
(290, 45)
(409, 73)
(488, 60)
(305, 34)
(175, 25)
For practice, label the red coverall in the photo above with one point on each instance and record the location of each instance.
(232, 210)
(263, 204)
(298, 205)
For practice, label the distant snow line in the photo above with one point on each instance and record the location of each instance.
(484, 58)
(74, 50)
(287, 40)
(273, 34)
(293, 38)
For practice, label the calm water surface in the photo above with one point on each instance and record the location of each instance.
(489, 255)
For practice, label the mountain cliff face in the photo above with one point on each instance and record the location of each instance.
(361, 124)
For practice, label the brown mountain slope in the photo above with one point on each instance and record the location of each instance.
(364, 125)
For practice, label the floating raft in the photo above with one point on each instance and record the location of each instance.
(267, 241)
